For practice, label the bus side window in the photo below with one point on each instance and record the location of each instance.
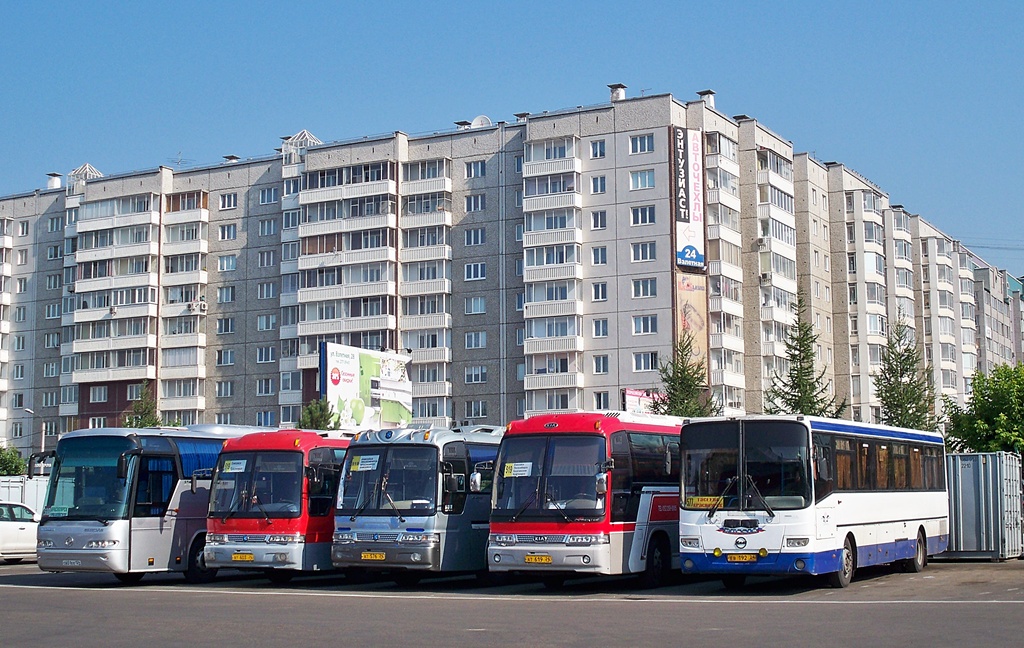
(824, 475)
(479, 454)
(622, 482)
(454, 454)
(157, 478)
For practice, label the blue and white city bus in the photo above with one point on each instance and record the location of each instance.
(790, 495)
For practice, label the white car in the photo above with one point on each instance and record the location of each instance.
(17, 532)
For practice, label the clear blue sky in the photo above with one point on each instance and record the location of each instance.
(922, 98)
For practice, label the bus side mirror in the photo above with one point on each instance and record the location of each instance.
(601, 483)
(193, 486)
(454, 483)
(37, 457)
(607, 465)
(475, 482)
(122, 461)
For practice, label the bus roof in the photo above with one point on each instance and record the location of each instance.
(286, 439)
(575, 422)
(841, 426)
(431, 436)
(192, 431)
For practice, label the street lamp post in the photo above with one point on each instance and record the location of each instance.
(42, 435)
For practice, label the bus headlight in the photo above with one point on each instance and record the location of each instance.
(100, 544)
(690, 542)
(419, 538)
(345, 537)
(216, 538)
(502, 539)
(286, 538)
(586, 540)
(44, 544)
(797, 542)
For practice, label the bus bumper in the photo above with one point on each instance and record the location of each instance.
(593, 559)
(774, 564)
(313, 556)
(110, 561)
(387, 555)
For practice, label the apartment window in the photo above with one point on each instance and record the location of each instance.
(519, 267)
(228, 232)
(598, 184)
(644, 251)
(97, 422)
(266, 418)
(22, 257)
(600, 364)
(599, 255)
(600, 291)
(98, 394)
(17, 430)
(225, 294)
(268, 195)
(597, 149)
(476, 202)
(476, 339)
(643, 215)
(599, 220)
(601, 400)
(641, 179)
(266, 322)
(50, 370)
(18, 372)
(290, 219)
(291, 381)
(225, 388)
(519, 163)
(22, 228)
(645, 324)
(227, 263)
(19, 313)
(475, 305)
(54, 252)
(225, 357)
(228, 201)
(520, 300)
(476, 236)
(266, 354)
(268, 227)
(645, 361)
(647, 287)
(52, 282)
(51, 340)
(266, 290)
(290, 251)
(601, 328)
(519, 230)
(641, 144)
(266, 259)
(292, 186)
(21, 285)
(225, 325)
(476, 169)
(476, 374)
(55, 224)
(520, 336)
(19, 342)
(476, 409)
(53, 311)
(222, 419)
(265, 387)
(18, 400)
(476, 271)
(134, 392)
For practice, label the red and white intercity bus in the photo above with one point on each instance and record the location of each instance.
(586, 493)
(272, 502)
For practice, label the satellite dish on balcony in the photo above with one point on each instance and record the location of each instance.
(480, 121)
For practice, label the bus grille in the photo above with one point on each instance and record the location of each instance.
(527, 538)
(377, 537)
(247, 537)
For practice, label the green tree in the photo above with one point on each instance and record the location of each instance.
(143, 412)
(903, 384)
(11, 462)
(319, 415)
(802, 390)
(993, 419)
(684, 382)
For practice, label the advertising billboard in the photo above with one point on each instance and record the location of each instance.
(692, 312)
(688, 198)
(367, 389)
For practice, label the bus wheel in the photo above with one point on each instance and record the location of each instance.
(279, 576)
(130, 578)
(407, 578)
(658, 564)
(734, 581)
(920, 559)
(847, 565)
(197, 572)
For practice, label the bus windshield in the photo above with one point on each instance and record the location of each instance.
(84, 483)
(744, 466)
(265, 484)
(549, 476)
(389, 480)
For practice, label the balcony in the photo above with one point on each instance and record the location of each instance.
(196, 246)
(345, 291)
(569, 200)
(289, 299)
(293, 397)
(433, 421)
(183, 403)
(179, 309)
(553, 345)
(436, 354)
(114, 343)
(725, 233)
(188, 371)
(183, 340)
(553, 237)
(728, 377)
(117, 252)
(441, 217)
(428, 287)
(67, 409)
(372, 255)
(187, 216)
(290, 202)
(551, 167)
(5, 326)
(118, 281)
(6, 269)
(430, 185)
(725, 269)
(125, 311)
(114, 374)
(6, 241)
(554, 308)
(432, 390)
(778, 314)
(567, 380)
(347, 325)
(293, 170)
(723, 197)
(289, 331)
(552, 272)
(113, 222)
(361, 190)
(357, 224)
(432, 321)
(5, 298)
(186, 278)
(727, 341)
(309, 361)
(425, 253)
(774, 179)
(768, 210)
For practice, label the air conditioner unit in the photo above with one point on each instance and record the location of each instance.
(766, 278)
(71, 288)
(191, 306)
(202, 307)
(762, 243)
(113, 310)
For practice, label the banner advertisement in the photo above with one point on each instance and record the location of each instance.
(367, 389)
(637, 401)
(692, 312)
(688, 199)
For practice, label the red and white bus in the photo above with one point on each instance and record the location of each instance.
(586, 493)
(272, 503)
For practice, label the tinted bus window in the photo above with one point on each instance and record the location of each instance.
(844, 465)
(622, 481)
(916, 469)
(882, 454)
(899, 466)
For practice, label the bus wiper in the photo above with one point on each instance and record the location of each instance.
(384, 491)
(256, 501)
(753, 487)
(233, 509)
(721, 497)
(558, 508)
(366, 502)
(529, 500)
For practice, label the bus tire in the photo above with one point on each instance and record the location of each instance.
(131, 578)
(196, 572)
(917, 563)
(847, 565)
(280, 576)
(733, 581)
(657, 565)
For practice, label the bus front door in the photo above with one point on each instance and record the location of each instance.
(153, 545)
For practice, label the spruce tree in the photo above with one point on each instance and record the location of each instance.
(903, 384)
(319, 415)
(143, 412)
(801, 390)
(684, 380)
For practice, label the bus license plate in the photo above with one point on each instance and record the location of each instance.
(71, 563)
(741, 558)
(539, 559)
(373, 555)
(243, 557)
